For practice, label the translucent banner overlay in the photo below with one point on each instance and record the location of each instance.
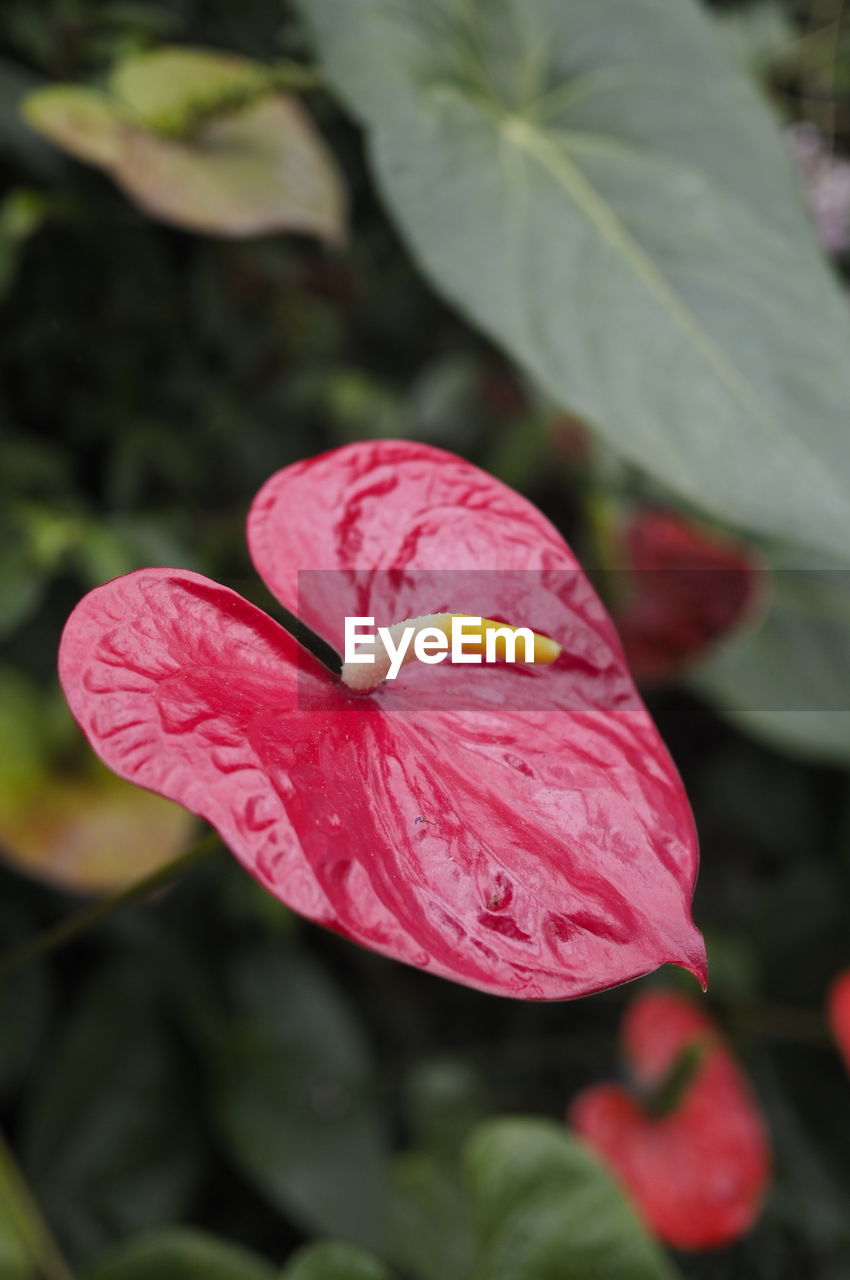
(764, 640)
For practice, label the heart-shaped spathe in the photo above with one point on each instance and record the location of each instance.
(518, 829)
(698, 1174)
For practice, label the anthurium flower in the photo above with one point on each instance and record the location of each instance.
(92, 833)
(200, 139)
(518, 828)
(682, 588)
(690, 1147)
(838, 1013)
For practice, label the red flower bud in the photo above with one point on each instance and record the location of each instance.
(838, 1013)
(683, 589)
(697, 1172)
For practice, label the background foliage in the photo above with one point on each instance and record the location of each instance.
(206, 1085)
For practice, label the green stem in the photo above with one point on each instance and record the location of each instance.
(21, 1212)
(667, 1095)
(72, 926)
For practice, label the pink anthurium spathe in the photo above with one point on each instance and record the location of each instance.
(517, 828)
(697, 1166)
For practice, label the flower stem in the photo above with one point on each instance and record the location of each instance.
(42, 944)
(667, 1095)
(21, 1213)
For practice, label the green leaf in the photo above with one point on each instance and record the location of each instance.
(334, 1262)
(27, 1249)
(22, 212)
(16, 1260)
(81, 121)
(294, 1099)
(111, 1143)
(22, 578)
(180, 1254)
(160, 84)
(14, 1264)
(24, 749)
(445, 1098)
(547, 1210)
(788, 679)
(758, 34)
(602, 190)
(434, 1237)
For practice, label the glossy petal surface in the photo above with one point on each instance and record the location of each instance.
(394, 518)
(521, 830)
(838, 1013)
(699, 1174)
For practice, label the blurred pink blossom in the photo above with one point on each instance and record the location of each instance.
(827, 184)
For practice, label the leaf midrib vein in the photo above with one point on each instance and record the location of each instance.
(600, 214)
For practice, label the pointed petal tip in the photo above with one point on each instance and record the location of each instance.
(695, 960)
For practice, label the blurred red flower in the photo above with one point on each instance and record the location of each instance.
(682, 589)
(838, 1013)
(698, 1171)
(520, 829)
